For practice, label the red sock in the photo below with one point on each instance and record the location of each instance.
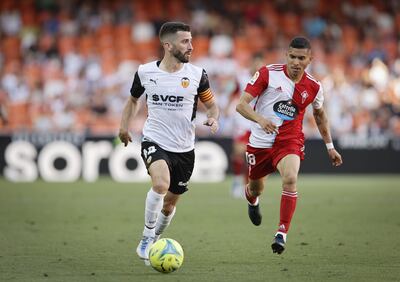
(288, 206)
(251, 199)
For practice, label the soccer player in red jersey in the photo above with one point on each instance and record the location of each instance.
(282, 93)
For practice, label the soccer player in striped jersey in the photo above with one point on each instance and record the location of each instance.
(172, 87)
(282, 93)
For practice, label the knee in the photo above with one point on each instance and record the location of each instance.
(289, 182)
(255, 193)
(161, 186)
(255, 189)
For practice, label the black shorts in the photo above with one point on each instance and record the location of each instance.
(180, 165)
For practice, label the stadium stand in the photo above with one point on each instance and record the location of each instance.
(68, 65)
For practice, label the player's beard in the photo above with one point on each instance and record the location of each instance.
(295, 73)
(180, 56)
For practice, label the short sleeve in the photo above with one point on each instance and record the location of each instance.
(204, 90)
(319, 98)
(137, 89)
(258, 83)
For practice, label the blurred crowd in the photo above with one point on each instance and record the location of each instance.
(69, 65)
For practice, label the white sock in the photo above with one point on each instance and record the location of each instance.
(154, 203)
(284, 235)
(163, 221)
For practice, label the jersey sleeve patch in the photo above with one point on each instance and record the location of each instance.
(254, 78)
(258, 83)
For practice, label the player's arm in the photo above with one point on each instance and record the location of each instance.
(212, 115)
(244, 108)
(323, 126)
(130, 110)
(256, 86)
(208, 99)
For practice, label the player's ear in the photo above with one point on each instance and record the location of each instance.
(311, 58)
(166, 45)
(310, 55)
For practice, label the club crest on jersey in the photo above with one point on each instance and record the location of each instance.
(304, 96)
(254, 78)
(185, 82)
(286, 110)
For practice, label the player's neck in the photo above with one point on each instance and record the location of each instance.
(170, 64)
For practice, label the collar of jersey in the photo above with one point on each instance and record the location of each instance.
(158, 66)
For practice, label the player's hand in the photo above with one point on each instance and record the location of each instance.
(335, 157)
(268, 126)
(213, 124)
(124, 137)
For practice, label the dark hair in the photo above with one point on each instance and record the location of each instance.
(300, 43)
(172, 28)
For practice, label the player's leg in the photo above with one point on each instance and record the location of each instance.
(166, 214)
(160, 178)
(156, 161)
(259, 162)
(182, 165)
(288, 167)
(252, 192)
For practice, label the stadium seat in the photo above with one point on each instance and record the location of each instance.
(200, 45)
(86, 45)
(18, 116)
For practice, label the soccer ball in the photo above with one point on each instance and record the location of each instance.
(166, 255)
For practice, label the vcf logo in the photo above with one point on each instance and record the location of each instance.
(304, 96)
(167, 98)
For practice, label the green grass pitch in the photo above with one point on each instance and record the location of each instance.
(346, 228)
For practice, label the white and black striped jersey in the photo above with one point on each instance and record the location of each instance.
(172, 103)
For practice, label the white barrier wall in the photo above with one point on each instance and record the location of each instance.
(24, 163)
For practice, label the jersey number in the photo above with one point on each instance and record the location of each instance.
(147, 152)
(251, 159)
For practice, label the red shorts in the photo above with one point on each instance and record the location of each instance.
(263, 161)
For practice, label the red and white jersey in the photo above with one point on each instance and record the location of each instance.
(283, 102)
